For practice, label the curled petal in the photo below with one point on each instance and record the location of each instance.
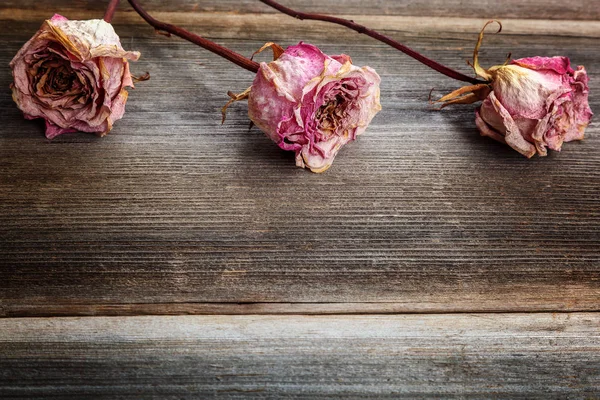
(513, 136)
(532, 104)
(74, 75)
(560, 65)
(313, 104)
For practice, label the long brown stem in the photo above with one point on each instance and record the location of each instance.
(110, 10)
(375, 35)
(224, 52)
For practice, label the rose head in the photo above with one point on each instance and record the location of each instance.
(73, 74)
(312, 103)
(531, 104)
(536, 103)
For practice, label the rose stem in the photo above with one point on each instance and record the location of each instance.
(224, 52)
(375, 35)
(110, 10)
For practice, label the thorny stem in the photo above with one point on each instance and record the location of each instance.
(224, 52)
(375, 35)
(110, 10)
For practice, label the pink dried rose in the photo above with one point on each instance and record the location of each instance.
(312, 103)
(531, 104)
(73, 74)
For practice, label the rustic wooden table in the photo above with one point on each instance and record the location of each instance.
(181, 258)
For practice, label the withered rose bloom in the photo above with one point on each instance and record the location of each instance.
(531, 104)
(312, 103)
(536, 103)
(73, 74)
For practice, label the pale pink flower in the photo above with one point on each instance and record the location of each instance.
(312, 103)
(73, 74)
(531, 104)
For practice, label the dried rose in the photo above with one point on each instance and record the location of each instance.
(73, 74)
(312, 103)
(530, 104)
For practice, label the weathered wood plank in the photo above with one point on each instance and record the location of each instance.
(486, 9)
(420, 214)
(253, 26)
(501, 356)
(231, 308)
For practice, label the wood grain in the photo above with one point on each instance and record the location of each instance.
(174, 213)
(252, 26)
(175, 210)
(530, 9)
(500, 356)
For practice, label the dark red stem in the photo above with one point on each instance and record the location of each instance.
(375, 35)
(110, 10)
(224, 52)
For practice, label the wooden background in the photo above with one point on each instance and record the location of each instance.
(427, 262)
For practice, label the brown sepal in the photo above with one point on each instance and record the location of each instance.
(234, 98)
(277, 50)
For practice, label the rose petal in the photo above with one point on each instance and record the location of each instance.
(513, 136)
(560, 65)
(87, 52)
(313, 104)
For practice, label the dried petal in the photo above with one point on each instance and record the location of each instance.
(312, 103)
(531, 104)
(73, 74)
(545, 97)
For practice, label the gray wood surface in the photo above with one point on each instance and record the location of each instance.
(500, 356)
(174, 213)
(530, 9)
(420, 214)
